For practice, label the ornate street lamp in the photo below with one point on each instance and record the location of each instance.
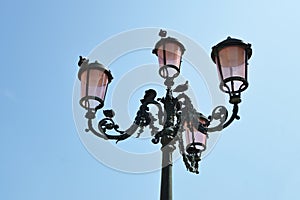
(176, 114)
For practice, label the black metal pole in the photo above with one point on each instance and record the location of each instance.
(167, 141)
(166, 172)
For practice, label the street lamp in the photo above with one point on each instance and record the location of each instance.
(94, 79)
(231, 57)
(176, 114)
(169, 52)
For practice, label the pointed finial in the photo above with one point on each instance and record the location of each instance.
(162, 33)
(81, 60)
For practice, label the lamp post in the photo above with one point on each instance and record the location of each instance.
(176, 114)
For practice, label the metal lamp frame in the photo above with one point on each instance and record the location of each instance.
(234, 95)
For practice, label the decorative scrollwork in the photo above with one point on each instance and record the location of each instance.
(219, 114)
(177, 113)
(152, 127)
(171, 118)
(143, 115)
(193, 160)
(108, 124)
(143, 118)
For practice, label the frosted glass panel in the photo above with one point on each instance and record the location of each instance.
(194, 138)
(97, 83)
(172, 55)
(232, 60)
(232, 56)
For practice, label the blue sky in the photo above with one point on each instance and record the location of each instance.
(41, 154)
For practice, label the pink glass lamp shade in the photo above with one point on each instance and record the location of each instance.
(169, 52)
(94, 79)
(231, 57)
(196, 135)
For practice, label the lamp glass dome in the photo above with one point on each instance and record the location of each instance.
(231, 57)
(232, 63)
(169, 52)
(196, 137)
(94, 82)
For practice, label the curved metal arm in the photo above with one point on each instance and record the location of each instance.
(234, 115)
(108, 124)
(220, 113)
(143, 118)
(103, 126)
